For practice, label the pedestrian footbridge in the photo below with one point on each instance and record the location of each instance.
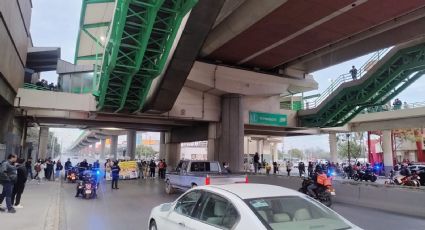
(391, 73)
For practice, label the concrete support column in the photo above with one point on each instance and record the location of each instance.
(131, 144)
(213, 144)
(388, 150)
(42, 142)
(162, 146)
(332, 147)
(172, 152)
(114, 146)
(102, 148)
(232, 132)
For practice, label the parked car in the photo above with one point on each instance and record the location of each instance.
(245, 206)
(189, 174)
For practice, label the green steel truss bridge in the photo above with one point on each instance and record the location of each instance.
(390, 75)
(130, 49)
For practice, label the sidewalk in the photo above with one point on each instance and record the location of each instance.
(41, 208)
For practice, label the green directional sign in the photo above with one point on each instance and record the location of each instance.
(273, 119)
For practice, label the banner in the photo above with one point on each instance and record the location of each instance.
(129, 170)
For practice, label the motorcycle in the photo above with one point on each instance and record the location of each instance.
(72, 176)
(88, 186)
(413, 180)
(365, 175)
(324, 193)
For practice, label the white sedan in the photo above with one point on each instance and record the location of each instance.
(245, 207)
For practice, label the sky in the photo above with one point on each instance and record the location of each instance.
(55, 23)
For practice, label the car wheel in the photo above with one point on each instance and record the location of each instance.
(168, 187)
(152, 225)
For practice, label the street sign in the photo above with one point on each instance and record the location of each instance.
(273, 119)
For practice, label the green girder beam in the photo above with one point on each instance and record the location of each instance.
(89, 57)
(84, 5)
(96, 25)
(142, 35)
(398, 72)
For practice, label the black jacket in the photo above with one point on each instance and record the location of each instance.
(22, 175)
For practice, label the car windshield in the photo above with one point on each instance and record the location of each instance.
(293, 212)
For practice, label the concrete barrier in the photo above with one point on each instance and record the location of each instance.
(401, 200)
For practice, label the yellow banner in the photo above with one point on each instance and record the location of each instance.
(129, 169)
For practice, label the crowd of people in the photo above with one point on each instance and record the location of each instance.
(45, 84)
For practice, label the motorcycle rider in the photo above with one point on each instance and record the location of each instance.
(314, 185)
(68, 166)
(84, 164)
(96, 164)
(87, 178)
(405, 171)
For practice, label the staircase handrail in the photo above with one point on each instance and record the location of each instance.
(346, 77)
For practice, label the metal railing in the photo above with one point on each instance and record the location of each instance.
(385, 108)
(75, 90)
(36, 87)
(346, 78)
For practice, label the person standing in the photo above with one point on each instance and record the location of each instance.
(28, 167)
(310, 169)
(301, 168)
(115, 171)
(161, 169)
(256, 162)
(19, 187)
(152, 167)
(8, 177)
(58, 169)
(353, 73)
(288, 167)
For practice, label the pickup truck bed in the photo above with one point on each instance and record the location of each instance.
(184, 178)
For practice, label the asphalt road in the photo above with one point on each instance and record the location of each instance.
(129, 208)
(52, 205)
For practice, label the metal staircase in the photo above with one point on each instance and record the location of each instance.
(391, 74)
(140, 41)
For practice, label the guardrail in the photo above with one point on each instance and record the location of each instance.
(389, 198)
(36, 87)
(346, 78)
(385, 108)
(76, 90)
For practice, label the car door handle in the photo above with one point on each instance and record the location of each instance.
(182, 224)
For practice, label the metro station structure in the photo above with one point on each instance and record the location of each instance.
(212, 70)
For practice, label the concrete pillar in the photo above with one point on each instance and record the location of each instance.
(161, 146)
(102, 148)
(114, 146)
(388, 150)
(43, 140)
(232, 132)
(131, 144)
(332, 147)
(172, 152)
(213, 143)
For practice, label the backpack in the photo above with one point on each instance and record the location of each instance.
(37, 167)
(3, 173)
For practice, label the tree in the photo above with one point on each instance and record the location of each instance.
(355, 149)
(296, 153)
(145, 152)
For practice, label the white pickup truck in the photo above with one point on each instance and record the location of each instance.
(189, 174)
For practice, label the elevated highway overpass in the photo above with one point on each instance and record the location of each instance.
(199, 69)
